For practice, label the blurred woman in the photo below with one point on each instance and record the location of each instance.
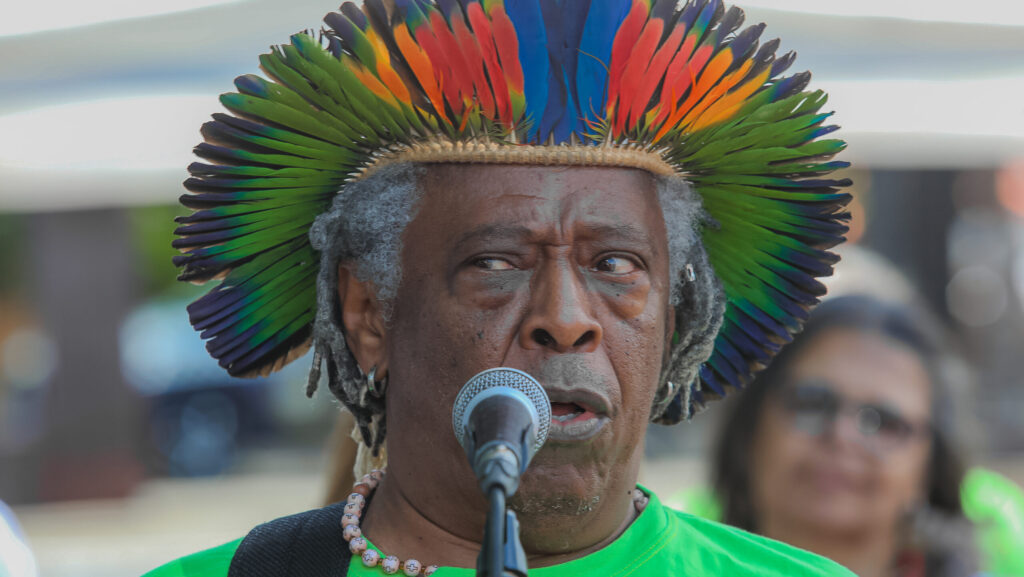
(842, 447)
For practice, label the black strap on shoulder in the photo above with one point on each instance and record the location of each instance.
(307, 544)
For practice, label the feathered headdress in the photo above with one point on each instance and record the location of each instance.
(637, 83)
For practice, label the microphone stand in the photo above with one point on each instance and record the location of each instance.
(502, 554)
(500, 418)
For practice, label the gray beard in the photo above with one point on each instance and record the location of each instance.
(562, 505)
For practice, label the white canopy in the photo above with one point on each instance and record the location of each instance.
(107, 113)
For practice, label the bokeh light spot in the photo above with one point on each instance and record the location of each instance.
(28, 358)
(977, 296)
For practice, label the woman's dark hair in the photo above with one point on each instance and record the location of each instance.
(731, 463)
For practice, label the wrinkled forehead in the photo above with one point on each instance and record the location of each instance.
(469, 195)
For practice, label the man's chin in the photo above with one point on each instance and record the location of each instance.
(552, 509)
(557, 486)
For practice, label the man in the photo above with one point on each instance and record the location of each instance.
(622, 199)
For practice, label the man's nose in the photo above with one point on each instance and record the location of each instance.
(559, 317)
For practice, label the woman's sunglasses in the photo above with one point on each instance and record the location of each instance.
(815, 407)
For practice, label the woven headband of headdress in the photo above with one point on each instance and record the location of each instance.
(635, 83)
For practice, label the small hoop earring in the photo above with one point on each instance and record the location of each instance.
(691, 275)
(662, 403)
(371, 383)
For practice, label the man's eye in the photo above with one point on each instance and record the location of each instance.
(616, 265)
(493, 263)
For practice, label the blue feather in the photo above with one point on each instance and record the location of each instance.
(572, 119)
(564, 38)
(742, 45)
(707, 14)
(570, 59)
(284, 340)
(754, 330)
(663, 10)
(822, 132)
(782, 63)
(728, 24)
(557, 102)
(722, 370)
(748, 348)
(789, 86)
(354, 14)
(776, 328)
(727, 358)
(227, 318)
(528, 19)
(595, 56)
(709, 380)
(447, 8)
(220, 344)
(689, 15)
(252, 84)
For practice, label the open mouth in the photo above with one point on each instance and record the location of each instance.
(567, 412)
(574, 422)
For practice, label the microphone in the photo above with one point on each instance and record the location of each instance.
(501, 418)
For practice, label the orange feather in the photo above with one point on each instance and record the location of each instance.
(368, 79)
(385, 72)
(706, 83)
(421, 67)
(728, 106)
(686, 80)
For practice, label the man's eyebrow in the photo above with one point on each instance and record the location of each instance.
(494, 232)
(625, 232)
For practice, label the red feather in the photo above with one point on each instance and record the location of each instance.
(508, 51)
(482, 29)
(508, 46)
(462, 78)
(700, 87)
(681, 83)
(672, 89)
(475, 62)
(442, 66)
(622, 47)
(653, 77)
(635, 68)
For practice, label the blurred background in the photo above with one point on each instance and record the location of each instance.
(123, 445)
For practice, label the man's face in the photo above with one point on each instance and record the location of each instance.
(559, 272)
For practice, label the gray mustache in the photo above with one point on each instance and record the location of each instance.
(565, 371)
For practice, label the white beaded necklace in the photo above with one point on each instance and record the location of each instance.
(391, 564)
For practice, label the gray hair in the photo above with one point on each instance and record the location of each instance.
(365, 225)
(697, 296)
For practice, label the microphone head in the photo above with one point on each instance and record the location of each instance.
(483, 384)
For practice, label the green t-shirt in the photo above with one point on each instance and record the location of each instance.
(660, 541)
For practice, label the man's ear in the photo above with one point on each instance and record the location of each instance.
(361, 317)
